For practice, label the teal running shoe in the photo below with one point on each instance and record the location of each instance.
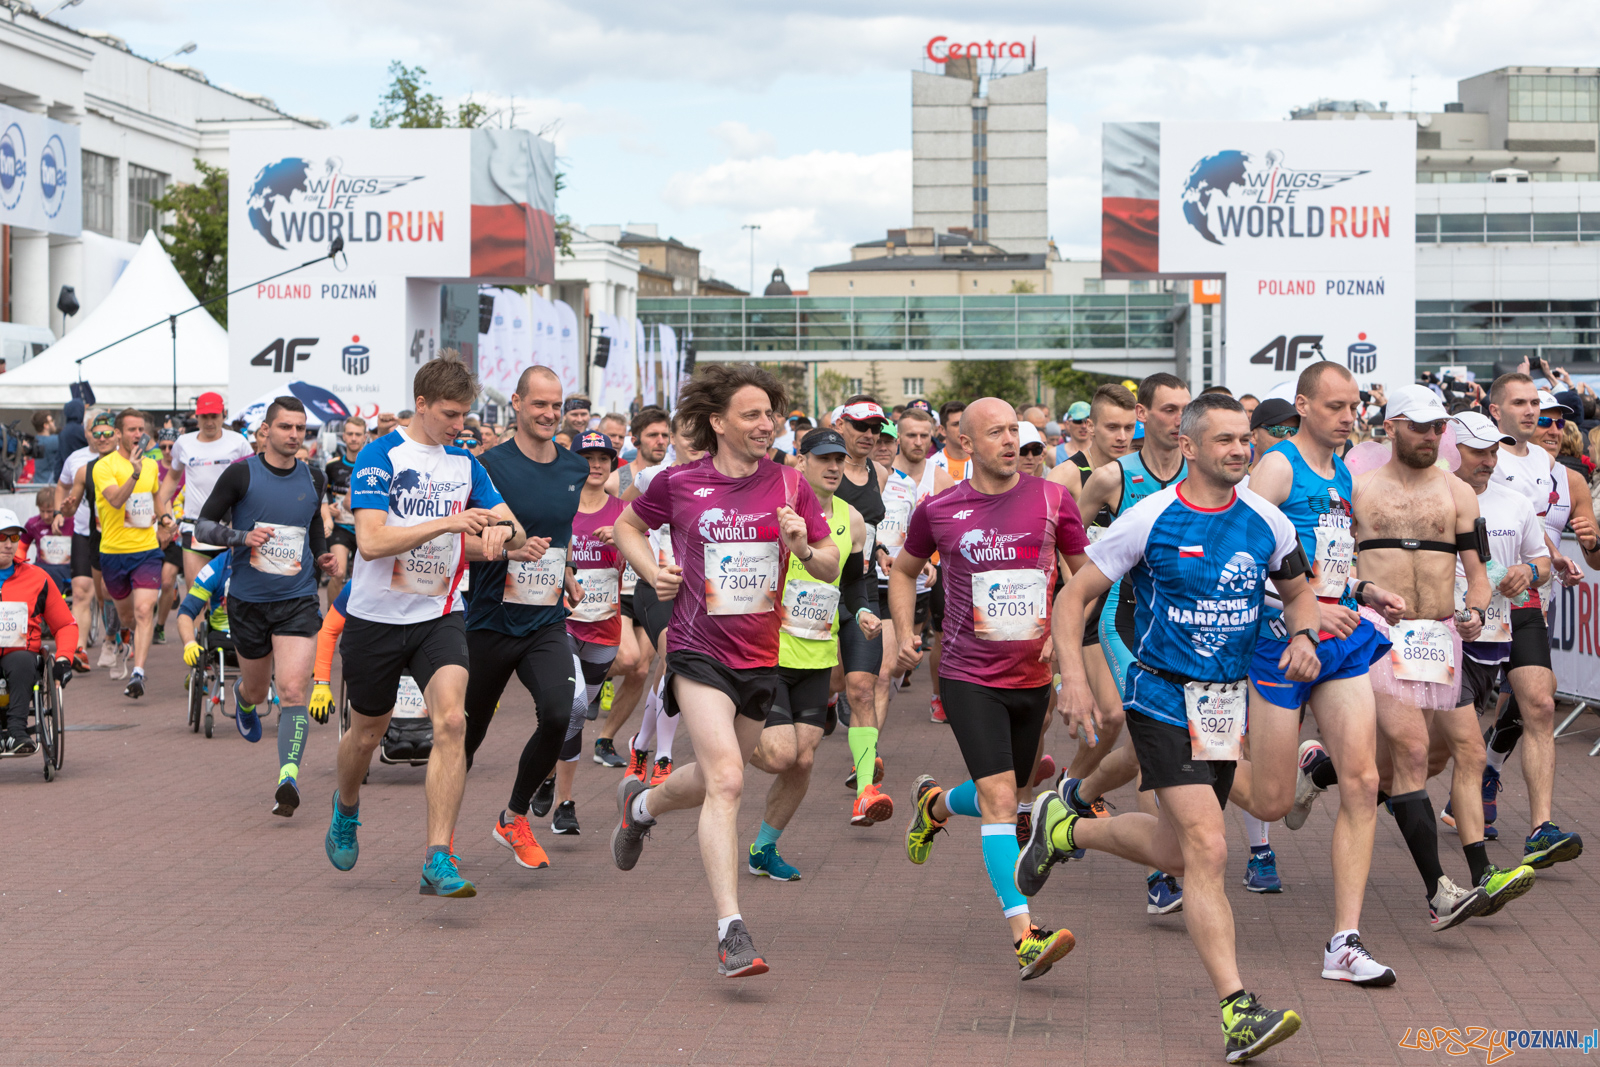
(1550, 845)
(441, 879)
(766, 863)
(341, 840)
(248, 721)
(1261, 873)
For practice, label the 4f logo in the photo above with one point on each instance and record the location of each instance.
(281, 356)
(704, 492)
(1282, 353)
(963, 514)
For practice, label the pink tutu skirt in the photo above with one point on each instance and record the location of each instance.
(1428, 696)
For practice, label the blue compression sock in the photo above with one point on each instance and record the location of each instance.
(768, 836)
(963, 799)
(1000, 850)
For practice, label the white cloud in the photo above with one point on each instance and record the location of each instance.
(741, 142)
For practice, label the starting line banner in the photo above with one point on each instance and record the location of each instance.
(1575, 630)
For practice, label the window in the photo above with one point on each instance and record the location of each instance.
(852, 385)
(99, 192)
(910, 387)
(1554, 98)
(1098, 285)
(980, 166)
(144, 186)
(1139, 287)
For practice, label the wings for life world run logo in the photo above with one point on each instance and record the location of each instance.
(718, 525)
(413, 493)
(1236, 194)
(992, 546)
(293, 201)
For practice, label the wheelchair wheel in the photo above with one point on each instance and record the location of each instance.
(197, 698)
(47, 724)
(216, 668)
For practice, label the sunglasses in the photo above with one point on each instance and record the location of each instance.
(466, 442)
(101, 435)
(1434, 428)
(1547, 421)
(1032, 450)
(13, 536)
(1079, 422)
(1281, 431)
(865, 426)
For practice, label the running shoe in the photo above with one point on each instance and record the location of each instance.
(1163, 894)
(21, 746)
(605, 753)
(1249, 1028)
(1349, 961)
(659, 772)
(566, 818)
(1039, 950)
(1550, 845)
(245, 717)
(919, 835)
(340, 843)
(1451, 905)
(872, 806)
(638, 762)
(287, 798)
(608, 693)
(1491, 792)
(1050, 815)
(1505, 886)
(108, 653)
(1024, 826)
(843, 709)
(1306, 791)
(1046, 770)
(766, 863)
(517, 835)
(135, 687)
(160, 636)
(850, 779)
(440, 878)
(936, 710)
(1097, 808)
(736, 954)
(543, 798)
(627, 840)
(80, 661)
(119, 665)
(1261, 873)
(1447, 816)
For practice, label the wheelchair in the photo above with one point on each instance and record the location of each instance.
(409, 740)
(48, 721)
(207, 682)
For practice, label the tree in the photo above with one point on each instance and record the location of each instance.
(1069, 384)
(831, 386)
(197, 236)
(792, 376)
(1022, 286)
(967, 380)
(408, 105)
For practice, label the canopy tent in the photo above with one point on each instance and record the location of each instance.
(136, 373)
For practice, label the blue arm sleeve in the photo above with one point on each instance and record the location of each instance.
(210, 579)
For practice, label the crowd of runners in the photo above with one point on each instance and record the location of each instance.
(1192, 585)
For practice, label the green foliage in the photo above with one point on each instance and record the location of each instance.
(831, 386)
(967, 380)
(197, 236)
(1022, 286)
(409, 105)
(793, 378)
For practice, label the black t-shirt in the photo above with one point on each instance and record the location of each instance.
(338, 475)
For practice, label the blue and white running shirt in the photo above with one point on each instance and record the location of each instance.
(414, 483)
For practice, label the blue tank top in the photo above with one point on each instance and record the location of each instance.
(1315, 501)
(1138, 482)
(275, 571)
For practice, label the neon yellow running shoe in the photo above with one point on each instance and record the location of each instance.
(607, 691)
(1039, 950)
(1250, 1028)
(919, 835)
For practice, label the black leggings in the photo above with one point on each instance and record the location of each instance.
(543, 660)
(21, 670)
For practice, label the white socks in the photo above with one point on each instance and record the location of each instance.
(723, 924)
(1498, 759)
(666, 729)
(641, 813)
(1255, 830)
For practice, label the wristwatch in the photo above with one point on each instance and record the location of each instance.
(1310, 633)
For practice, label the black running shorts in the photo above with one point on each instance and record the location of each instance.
(381, 651)
(936, 602)
(651, 612)
(343, 536)
(997, 730)
(1530, 639)
(173, 554)
(1480, 683)
(857, 653)
(750, 690)
(1165, 757)
(85, 556)
(802, 697)
(253, 624)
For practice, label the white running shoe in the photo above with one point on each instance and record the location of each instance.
(119, 669)
(1349, 961)
(1306, 791)
(108, 653)
(1451, 905)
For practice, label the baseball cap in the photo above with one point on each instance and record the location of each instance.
(209, 404)
(921, 405)
(1417, 403)
(889, 429)
(1028, 434)
(863, 410)
(1272, 411)
(823, 443)
(595, 441)
(1138, 431)
(104, 418)
(1475, 430)
(1078, 411)
(1548, 400)
(8, 520)
(167, 433)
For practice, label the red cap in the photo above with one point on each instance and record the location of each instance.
(209, 404)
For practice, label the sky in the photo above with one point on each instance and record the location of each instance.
(709, 116)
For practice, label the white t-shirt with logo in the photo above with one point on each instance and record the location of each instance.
(202, 463)
(69, 470)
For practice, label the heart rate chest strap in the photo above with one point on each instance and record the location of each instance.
(1407, 543)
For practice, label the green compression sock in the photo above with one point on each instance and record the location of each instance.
(864, 749)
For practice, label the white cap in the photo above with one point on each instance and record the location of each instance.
(1547, 400)
(8, 520)
(1028, 434)
(1475, 430)
(1415, 402)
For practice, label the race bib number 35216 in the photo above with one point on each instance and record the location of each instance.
(741, 579)
(1010, 605)
(426, 569)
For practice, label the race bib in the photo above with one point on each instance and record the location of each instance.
(140, 511)
(426, 569)
(630, 579)
(408, 702)
(809, 608)
(892, 530)
(741, 579)
(342, 513)
(1335, 549)
(53, 548)
(1216, 713)
(868, 549)
(1095, 533)
(1010, 605)
(537, 584)
(283, 551)
(1422, 652)
(13, 624)
(1497, 619)
(600, 601)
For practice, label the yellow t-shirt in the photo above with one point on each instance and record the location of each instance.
(132, 527)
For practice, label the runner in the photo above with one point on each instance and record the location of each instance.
(950, 458)
(268, 511)
(52, 551)
(999, 535)
(808, 650)
(421, 508)
(77, 501)
(953, 461)
(125, 485)
(198, 460)
(29, 601)
(518, 622)
(1078, 431)
(575, 416)
(342, 538)
(734, 516)
(1195, 558)
(171, 551)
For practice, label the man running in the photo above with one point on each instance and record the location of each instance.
(125, 484)
(1194, 559)
(735, 517)
(342, 538)
(421, 507)
(950, 458)
(999, 535)
(808, 650)
(77, 499)
(1077, 431)
(268, 511)
(517, 622)
(198, 460)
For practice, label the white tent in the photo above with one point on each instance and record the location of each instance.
(136, 373)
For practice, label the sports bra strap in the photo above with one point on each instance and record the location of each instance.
(1408, 544)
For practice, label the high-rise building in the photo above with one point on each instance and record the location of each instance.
(978, 155)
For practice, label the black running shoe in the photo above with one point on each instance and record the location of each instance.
(544, 797)
(566, 819)
(605, 753)
(135, 687)
(160, 637)
(1250, 1028)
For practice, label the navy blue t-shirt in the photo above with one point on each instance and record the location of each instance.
(544, 498)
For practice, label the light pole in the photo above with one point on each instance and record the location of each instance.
(752, 227)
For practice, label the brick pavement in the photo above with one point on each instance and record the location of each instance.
(156, 913)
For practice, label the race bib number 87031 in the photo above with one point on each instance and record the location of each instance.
(1010, 605)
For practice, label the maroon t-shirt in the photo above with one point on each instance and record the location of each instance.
(598, 616)
(999, 557)
(725, 537)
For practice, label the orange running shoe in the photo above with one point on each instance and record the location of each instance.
(871, 806)
(659, 773)
(638, 762)
(936, 710)
(517, 835)
(1046, 771)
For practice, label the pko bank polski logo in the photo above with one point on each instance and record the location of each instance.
(293, 201)
(1235, 194)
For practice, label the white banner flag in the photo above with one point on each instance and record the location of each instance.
(568, 360)
(667, 343)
